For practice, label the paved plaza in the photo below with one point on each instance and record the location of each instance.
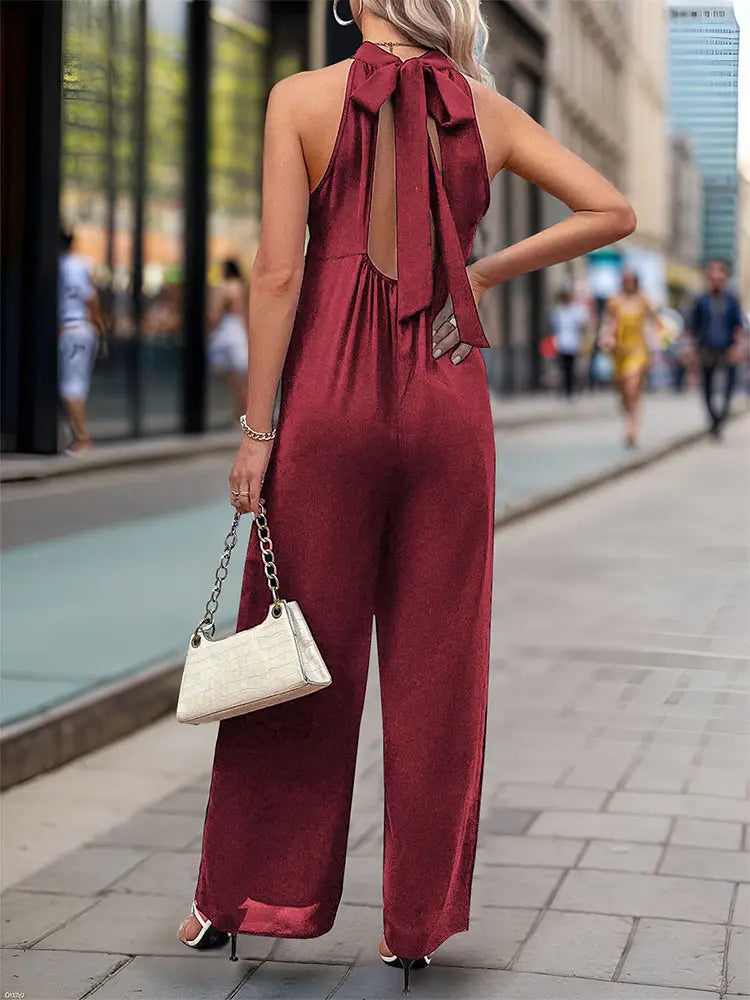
(614, 857)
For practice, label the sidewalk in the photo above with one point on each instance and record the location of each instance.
(116, 601)
(614, 850)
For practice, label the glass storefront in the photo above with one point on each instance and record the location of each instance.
(238, 85)
(125, 108)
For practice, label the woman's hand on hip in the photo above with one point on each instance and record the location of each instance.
(248, 472)
(445, 334)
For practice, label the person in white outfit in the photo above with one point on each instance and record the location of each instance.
(227, 344)
(79, 326)
(568, 321)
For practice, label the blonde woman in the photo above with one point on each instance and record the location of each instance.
(379, 485)
(624, 336)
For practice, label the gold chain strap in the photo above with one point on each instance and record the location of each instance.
(207, 625)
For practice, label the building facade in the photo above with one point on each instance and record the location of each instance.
(685, 244)
(517, 59)
(605, 100)
(703, 73)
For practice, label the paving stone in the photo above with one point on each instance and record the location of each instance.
(501, 885)
(601, 826)
(166, 873)
(157, 830)
(491, 941)
(543, 852)
(741, 914)
(189, 977)
(676, 953)
(719, 781)
(282, 980)
(618, 856)
(700, 862)
(630, 894)
(598, 771)
(376, 982)
(26, 916)
(137, 924)
(697, 806)
(537, 797)
(575, 944)
(47, 975)
(656, 779)
(363, 880)
(190, 801)
(738, 961)
(500, 820)
(85, 872)
(356, 932)
(706, 833)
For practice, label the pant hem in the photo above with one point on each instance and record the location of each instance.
(426, 943)
(266, 920)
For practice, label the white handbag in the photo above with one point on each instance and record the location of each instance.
(273, 662)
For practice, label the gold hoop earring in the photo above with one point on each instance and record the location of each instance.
(338, 18)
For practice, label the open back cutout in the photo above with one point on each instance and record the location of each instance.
(383, 222)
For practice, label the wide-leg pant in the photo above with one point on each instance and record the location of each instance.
(389, 512)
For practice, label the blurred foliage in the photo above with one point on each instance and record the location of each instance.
(237, 108)
(99, 59)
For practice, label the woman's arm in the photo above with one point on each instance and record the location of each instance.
(216, 301)
(275, 282)
(600, 214)
(276, 276)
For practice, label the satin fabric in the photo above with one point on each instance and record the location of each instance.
(380, 499)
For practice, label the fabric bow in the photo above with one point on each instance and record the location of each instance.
(420, 87)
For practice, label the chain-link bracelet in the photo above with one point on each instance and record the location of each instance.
(256, 435)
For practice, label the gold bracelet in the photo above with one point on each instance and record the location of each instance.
(256, 435)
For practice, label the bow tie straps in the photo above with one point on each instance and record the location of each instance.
(421, 87)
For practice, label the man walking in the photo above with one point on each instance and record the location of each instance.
(716, 327)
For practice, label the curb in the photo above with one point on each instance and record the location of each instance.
(37, 468)
(108, 712)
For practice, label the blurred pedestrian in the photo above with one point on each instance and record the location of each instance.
(379, 478)
(716, 327)
(624, 336)
(79, 327)
(227, 344)
(568, 320)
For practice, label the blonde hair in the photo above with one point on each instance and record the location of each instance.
(454, 27)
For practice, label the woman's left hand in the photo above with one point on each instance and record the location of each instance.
(445, 335)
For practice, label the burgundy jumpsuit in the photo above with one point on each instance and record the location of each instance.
(380, 500)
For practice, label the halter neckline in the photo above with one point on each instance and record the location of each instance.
(372, 53)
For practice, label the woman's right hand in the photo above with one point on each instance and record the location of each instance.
(248, 472)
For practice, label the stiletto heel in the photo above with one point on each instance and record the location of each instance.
(406, 964)
(233, 954)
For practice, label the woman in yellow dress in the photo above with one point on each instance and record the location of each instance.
(624, 337)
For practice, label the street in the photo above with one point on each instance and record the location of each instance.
(614, 848)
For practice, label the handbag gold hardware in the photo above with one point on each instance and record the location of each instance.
(275, 661)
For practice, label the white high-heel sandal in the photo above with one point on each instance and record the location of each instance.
(208, 936)
(407, 964)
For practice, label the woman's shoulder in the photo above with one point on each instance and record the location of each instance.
(301, 94)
